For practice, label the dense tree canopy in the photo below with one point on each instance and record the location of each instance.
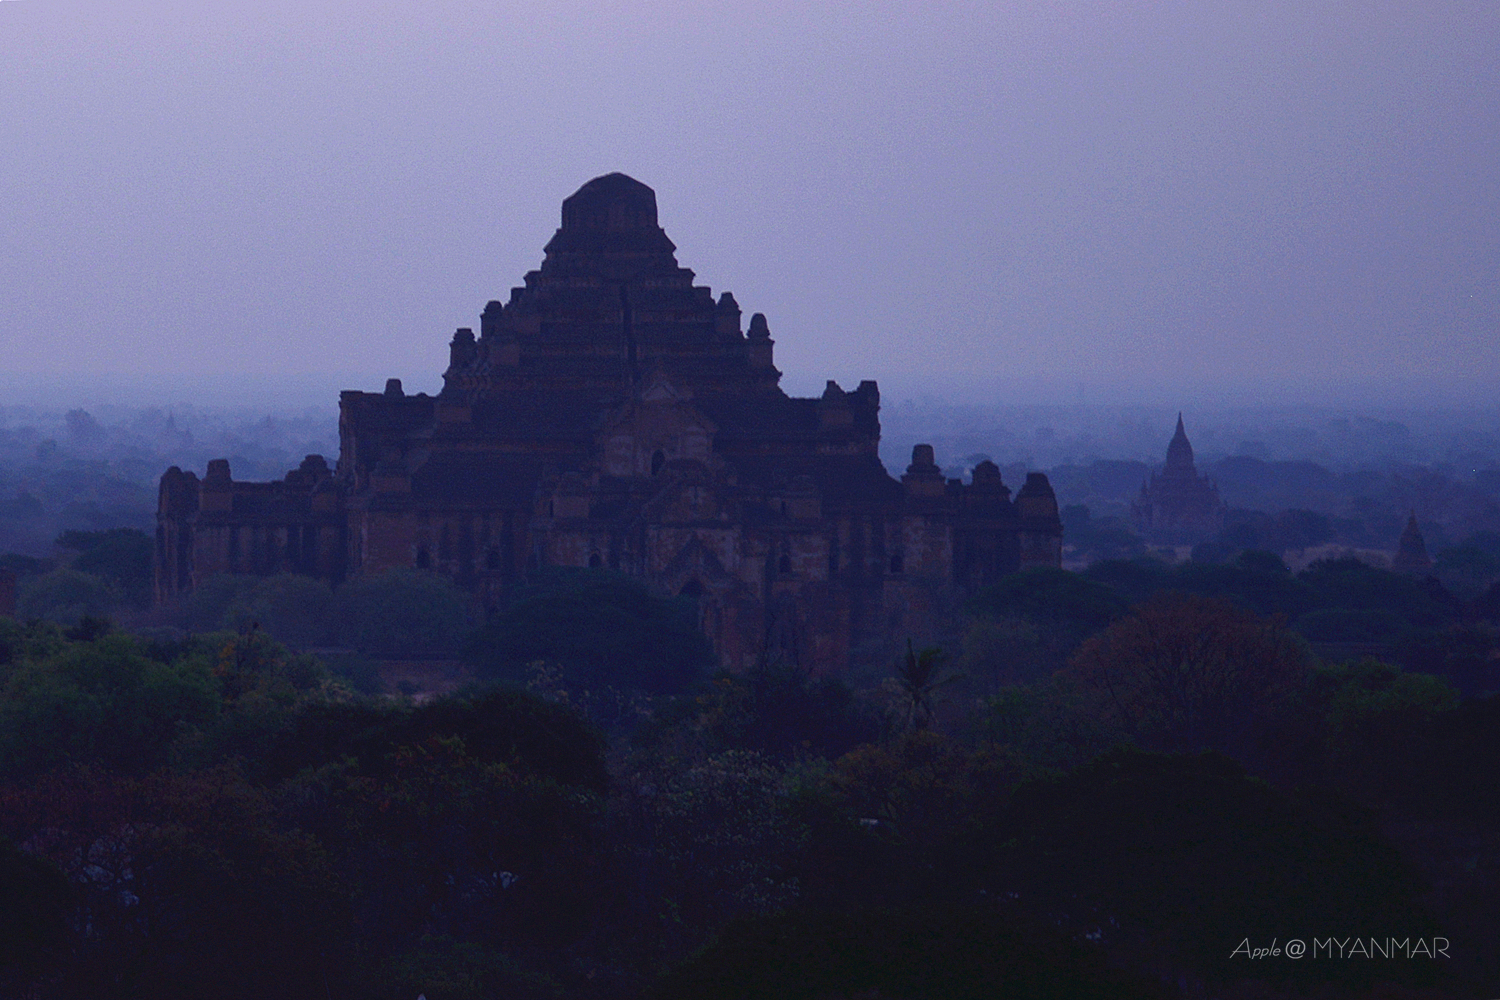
(951, 954)
(64, 595)
(1185, 856)
(1187, 673)
(102, 701)
(36, 902)
(228, 818)
(397, 613)
(602, 627)
(1052, 595)
(122, 557)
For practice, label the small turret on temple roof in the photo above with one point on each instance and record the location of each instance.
(1411, 552)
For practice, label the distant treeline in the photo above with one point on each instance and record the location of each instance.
(1339, 439)
(78, 471)
(1294, 505)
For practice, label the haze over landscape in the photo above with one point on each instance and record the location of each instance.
(627, 643)
(1169, 204)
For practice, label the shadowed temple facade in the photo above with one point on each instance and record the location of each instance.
(613, 414)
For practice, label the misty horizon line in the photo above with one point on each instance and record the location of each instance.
(258, 390)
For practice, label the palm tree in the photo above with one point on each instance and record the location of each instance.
(919, 678)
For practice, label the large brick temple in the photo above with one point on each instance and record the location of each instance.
(613, 414)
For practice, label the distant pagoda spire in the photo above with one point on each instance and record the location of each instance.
(1176, 505)
(1179, 451)
(1411, 553)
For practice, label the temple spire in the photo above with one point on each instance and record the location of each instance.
(1177, 506)
(1411, 552)
(1179, 451)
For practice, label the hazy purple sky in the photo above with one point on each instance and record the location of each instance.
(1139, 202)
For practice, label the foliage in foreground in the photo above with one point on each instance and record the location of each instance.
(948, 954)
(602, 627)
(228, 806)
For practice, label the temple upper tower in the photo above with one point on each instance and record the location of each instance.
(609, 307)
(609, 233)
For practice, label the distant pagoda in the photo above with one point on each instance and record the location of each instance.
(1176, 505)
(1411, 552)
